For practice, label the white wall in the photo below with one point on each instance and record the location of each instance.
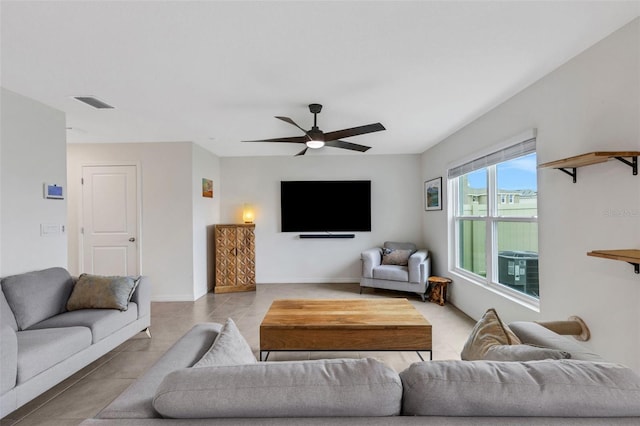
(33, 152)
(167, 235)
(397, 203)
(592, 103)
(206, 211)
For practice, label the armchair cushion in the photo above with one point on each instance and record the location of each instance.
(395, 257)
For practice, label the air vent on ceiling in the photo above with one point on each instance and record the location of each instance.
(93, 101)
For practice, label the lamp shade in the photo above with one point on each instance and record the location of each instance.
(248, 215)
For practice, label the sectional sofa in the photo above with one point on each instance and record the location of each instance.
(210, 376)
(42, 342)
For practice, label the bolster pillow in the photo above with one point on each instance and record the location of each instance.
(318, 388)
(549, 388)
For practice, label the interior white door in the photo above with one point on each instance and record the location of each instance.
(110, 220)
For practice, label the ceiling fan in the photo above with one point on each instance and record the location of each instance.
(316, 138)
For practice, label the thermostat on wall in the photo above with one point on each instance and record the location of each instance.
(51, 190)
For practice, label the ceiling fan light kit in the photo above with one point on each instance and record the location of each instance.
(316, 138)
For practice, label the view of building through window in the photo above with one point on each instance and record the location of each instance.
(497, 226)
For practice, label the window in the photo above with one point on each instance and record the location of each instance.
(495, 220)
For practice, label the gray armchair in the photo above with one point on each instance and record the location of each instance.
(385, 267)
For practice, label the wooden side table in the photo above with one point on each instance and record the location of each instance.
(439, 289)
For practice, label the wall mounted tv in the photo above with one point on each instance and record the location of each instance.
(325, 206)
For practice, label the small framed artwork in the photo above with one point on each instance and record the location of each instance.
(433, 194)
(207, 188)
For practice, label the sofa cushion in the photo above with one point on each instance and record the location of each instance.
(36, 296)
(395, 257)
(535, 334)
(229, 348)
(488, 331)
(6, 314)
(563, 388)
(523, 353)
(399, 246)
(102, 292)
(101, 322)
(391, 273)
(136, 401)
(39, 350)
(319, 388)
(8, 358)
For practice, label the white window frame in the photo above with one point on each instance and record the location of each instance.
(491, 220)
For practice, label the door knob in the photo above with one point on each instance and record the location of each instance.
(132, 239)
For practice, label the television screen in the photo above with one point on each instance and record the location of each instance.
(325, 206)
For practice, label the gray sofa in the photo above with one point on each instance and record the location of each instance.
(581, 391)
(42, 343)
(411, 276)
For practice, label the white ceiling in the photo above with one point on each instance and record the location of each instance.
(217, 72)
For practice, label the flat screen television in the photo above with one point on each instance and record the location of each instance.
(325, 205)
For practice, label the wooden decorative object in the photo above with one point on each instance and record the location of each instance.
(439, 290)
(574, 326)
(234, 258)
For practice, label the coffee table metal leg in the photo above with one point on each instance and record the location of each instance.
(266, 357)
(430, 356)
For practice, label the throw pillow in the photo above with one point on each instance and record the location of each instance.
(228, 348)
(489, 331)
(102, 292)
(523, 353)
(396, 257)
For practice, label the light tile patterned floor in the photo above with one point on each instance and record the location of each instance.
(92, 388)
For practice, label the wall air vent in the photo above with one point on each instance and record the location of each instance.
(93, 101)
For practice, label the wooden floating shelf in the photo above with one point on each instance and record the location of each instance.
(590, 158)
(631, 256)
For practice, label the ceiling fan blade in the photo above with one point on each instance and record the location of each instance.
(347, 145)
(354, 131)
(292, 139)
(290, 121)
(301, 152)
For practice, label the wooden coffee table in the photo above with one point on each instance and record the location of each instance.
(344, 325)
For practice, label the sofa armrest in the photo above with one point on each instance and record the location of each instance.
(419, 266)
(8, 358)
(142, 297)
(370, 259)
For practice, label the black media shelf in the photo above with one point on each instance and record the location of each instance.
(327, 235)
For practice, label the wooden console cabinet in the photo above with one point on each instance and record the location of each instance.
(234, 258)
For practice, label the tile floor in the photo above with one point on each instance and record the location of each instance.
(85, 393)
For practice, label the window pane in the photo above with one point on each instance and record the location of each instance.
(473, 193)
(517, 187)
(518, 256)
(472, 256)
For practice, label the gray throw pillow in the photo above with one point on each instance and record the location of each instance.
(102, 292)
(318, 388)
(228, 348)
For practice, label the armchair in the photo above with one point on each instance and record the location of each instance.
(396, 266)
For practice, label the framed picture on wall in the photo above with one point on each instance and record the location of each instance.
(433, 194)
(207, 188)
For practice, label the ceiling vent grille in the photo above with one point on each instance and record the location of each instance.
(93, 101)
